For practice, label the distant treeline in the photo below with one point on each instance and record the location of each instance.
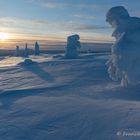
(86, 48)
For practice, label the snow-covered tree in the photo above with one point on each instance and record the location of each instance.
(73, 44)
(17, 51)
(124, 64)
(37, 51)
(26, 50)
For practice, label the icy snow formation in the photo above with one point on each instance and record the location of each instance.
(72, 44)
(124, 64)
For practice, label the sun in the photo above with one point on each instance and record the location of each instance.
(3, 36)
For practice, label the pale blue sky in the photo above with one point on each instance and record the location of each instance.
(56, 19)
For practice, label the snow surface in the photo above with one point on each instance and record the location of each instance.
(65, 99)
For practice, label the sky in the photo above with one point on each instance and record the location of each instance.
(54, 20)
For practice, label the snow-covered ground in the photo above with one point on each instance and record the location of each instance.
(65, 99)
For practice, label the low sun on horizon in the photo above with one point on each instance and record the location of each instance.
(4, 36)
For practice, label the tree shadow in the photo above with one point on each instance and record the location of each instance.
(8, 97)
(37, 70)
(120, 93)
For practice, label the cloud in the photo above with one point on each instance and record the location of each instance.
(81, 16)
(58, 4)
(42, 29)
(77, 26)
(54, 5)
(27, 23)
(87, 6)
(67, 5)
(45, 26)
(136, 13)
(24, 28)
(87, 27)
(31, 1)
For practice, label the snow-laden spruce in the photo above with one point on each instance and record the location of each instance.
(124, 64)
(73, 44)
(37, 51)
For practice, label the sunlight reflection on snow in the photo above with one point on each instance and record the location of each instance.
(13, 61)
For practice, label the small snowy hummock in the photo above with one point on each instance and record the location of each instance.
(124, 64)
(27, 62)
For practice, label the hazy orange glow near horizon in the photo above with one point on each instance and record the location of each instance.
(11, 40)
(47, 21)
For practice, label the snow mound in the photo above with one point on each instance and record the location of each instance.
(27, 62)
